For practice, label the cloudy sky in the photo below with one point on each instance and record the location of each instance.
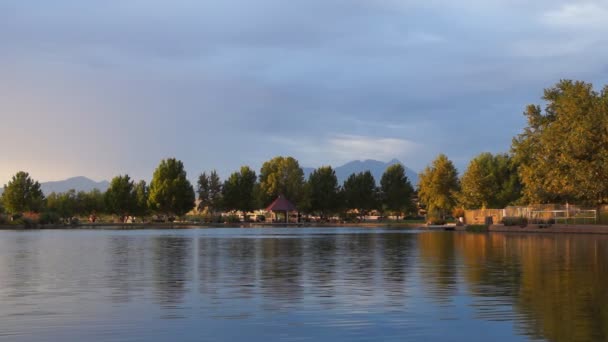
(98, 88)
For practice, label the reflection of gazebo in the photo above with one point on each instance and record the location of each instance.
(281, 205)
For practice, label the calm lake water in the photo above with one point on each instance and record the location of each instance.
(301, 285)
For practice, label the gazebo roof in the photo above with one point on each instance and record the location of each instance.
(281, 204)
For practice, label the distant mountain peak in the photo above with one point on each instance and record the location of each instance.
(78, 183)
(376, 167)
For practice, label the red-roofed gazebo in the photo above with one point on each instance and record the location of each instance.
(282, 205)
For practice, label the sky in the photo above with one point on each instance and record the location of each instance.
(101, 88)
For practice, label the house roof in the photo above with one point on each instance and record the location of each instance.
(281, 204)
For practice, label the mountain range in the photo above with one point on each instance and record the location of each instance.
(77, 183)
(376, 167)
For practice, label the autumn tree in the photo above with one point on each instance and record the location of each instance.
(490, 181)
(563, 152)
(22, 194)
(396, 191)
(438, 186)
(282, 176)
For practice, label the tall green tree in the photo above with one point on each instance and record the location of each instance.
(120, 196)
(90, 202)
(63, 204)
(202, 190)
(396, 190)
(141, 191)
(563, 152)
(360, 192)
(215, 191)
(438, 186)
(282, 176)
(239, 191)
(490, 181)
(323, 191)
(170, 191)
(209, 189)
(22, 194)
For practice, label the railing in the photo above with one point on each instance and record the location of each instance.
(566, 216)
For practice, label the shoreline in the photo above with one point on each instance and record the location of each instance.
(179, 225)
(496, 228)
(553, 229)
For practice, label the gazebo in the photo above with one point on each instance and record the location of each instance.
(280, 205)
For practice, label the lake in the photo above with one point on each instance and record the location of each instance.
(301, 284)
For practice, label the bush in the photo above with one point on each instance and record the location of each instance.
(350, 217)
(3, 219)
(477, 228)
(511, 221)
(542, 223)
(50, 217)
(435, 221)
(232, 219)
(26, 222)
(34, 217)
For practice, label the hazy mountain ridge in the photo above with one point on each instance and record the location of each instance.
(77, 183)
(376, 167)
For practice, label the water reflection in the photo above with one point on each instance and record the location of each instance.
(555, 284)
(172, 264)
(439, 265)
(126, 271)
(348, 284)
(281, 266)
(21, 267)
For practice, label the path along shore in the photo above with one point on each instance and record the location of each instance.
(552, 229)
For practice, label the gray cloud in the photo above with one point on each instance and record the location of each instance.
(101, 88)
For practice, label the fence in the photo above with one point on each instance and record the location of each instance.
(559, 213)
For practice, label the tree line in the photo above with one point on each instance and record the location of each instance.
(560, 156)
(170, 194)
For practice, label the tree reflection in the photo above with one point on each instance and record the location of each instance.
(127, 260)
(209, 266)
(240, 267)
(320, 263)
(172, 261)
(438, 267)
(397, 250)
(281, 270)
(555, 282)
(22, 266)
